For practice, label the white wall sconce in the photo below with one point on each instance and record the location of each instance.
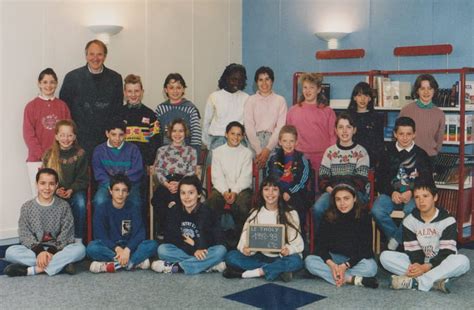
(104, 32)
(331, 37)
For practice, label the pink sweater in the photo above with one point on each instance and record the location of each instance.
(315, 125)
(264, 114)
(39, 119)
(429, 127)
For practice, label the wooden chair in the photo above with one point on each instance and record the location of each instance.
(151, 190)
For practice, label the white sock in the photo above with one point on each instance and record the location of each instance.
(255, 273)
(358, 281)
(392, 244)
(31, 271)
(78, 240)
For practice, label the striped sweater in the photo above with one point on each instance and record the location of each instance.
(166, 112)
(429, 242)
(108, 161)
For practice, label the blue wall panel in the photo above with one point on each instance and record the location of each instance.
(280, 34)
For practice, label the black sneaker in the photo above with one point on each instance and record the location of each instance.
(15, 270)
(70, 269)
(232, 273)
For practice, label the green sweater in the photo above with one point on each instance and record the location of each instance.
(74, 168)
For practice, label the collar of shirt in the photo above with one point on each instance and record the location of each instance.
(134, 106)
(98, 72)
(424, 106)
(47, 98)
(113, 147)
(408, 149)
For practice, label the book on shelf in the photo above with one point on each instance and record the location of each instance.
(325, 94)
(452, 128)
(379, 82)
(396, 94)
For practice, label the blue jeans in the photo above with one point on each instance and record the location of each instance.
(71, 253)
(452, 266)
(322, 204)
(381, 211)
(135, 198)
(98, 251)
(190, 264)
(271, 266)
(78, 203)
(366, 267)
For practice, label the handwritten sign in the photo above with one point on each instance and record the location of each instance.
(266, 237)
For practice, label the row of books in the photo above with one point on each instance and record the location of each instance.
(452, 128)
(397, 94)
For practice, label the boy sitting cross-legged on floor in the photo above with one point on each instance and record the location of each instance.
(46, 231)
(119, 233)
(429, 238)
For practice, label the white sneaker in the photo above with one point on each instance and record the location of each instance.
(164, 267)
(97, 267)
(144, 265)
(217, 268)
(392, 244)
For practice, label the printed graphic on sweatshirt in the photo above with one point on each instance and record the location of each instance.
(407, 173)
(190, 230)
(49, 121)
(126, 227)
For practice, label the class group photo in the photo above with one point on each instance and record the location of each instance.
(237, 154)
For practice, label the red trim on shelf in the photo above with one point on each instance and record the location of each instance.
(338, 54)
(423, 50)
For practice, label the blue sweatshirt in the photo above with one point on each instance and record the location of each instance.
(118, 227)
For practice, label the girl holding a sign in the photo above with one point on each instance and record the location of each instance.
(344, 248)
(254, 258)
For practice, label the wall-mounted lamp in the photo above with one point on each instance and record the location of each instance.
(331, 37)
(104, 32)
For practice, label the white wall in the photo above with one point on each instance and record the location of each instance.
(197, 38)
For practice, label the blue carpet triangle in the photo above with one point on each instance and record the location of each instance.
(273, 296)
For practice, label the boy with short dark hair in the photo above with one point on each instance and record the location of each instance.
(117, 156)
(119, 233)
(403, 164)
(46, 231)
(429, 238)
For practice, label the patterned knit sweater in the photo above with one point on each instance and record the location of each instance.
(398, 170)
(172, 159)
(74, 168)
(51, 226)
(186, 110)
(143, 130)
(344, 165)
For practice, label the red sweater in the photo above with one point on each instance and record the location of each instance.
(39, 119)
